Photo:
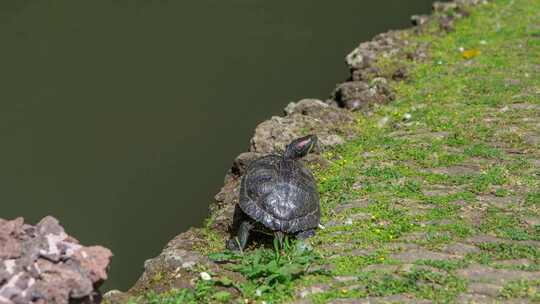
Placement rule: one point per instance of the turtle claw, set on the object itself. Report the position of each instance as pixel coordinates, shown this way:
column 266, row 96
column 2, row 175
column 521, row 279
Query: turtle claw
column 239, row 242
column 232, row 245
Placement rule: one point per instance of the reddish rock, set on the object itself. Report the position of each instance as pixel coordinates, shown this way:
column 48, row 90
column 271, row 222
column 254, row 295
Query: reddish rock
column 43, row 264
column 94, row 261
column 10, row 238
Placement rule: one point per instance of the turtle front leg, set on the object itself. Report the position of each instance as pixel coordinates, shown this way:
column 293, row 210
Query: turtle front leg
column 240, row 241
column 279, row 235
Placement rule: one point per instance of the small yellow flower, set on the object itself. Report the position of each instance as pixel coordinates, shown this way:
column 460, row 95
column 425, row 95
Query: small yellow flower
column 469, row 54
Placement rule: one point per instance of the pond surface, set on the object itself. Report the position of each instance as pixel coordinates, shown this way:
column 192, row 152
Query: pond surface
column 121, row 117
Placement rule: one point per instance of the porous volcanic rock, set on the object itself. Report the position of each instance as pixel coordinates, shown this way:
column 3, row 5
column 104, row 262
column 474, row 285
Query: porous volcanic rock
column 42, row 264
column 178, row 266
column 309, row 116
column 356, row 95
column 362, row 60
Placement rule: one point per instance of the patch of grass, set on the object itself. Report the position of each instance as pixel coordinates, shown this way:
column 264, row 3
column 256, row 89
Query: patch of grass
column 201, row 294
column 511, row 251
column 507, row 226
column 527, row 289
column 482, row 150
column 494, row 176
column 449, row 265
column 533, row 199
column 269, row 274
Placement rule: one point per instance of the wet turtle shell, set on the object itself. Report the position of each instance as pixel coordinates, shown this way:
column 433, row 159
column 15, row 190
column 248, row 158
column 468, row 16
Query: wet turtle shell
column 279, row 192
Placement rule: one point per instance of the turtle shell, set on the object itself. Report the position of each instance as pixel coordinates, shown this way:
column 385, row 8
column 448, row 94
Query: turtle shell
column 281, row 194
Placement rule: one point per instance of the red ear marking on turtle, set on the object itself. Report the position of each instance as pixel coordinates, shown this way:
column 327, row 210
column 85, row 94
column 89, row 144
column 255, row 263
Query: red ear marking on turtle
column 303, row 143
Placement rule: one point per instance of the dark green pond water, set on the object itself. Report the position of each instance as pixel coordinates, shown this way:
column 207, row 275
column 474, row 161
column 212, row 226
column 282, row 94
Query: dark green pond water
column 121, row 118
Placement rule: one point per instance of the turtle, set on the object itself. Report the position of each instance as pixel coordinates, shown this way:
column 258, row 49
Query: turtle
column 278, row 194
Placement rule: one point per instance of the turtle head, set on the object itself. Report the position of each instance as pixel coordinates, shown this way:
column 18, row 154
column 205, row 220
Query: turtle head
column 300, row 147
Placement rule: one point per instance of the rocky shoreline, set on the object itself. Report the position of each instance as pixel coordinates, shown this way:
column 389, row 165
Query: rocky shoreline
column 332, row 120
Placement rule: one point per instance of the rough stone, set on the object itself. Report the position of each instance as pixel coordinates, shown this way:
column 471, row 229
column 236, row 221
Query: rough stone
column 399, row 298
column 94, row 260
column 460, row 249
column 446, row 23
column 532, row 139
column 314, row 289
column 457, row 170
column 302, row 301
column 228, row 194
column 307, row 107
column 385, row 44
column 485, row 274
column 441, row 190
column 523, row 106
column 402, row 246
column 116, row 296
column 419, row 20
column 414, row 236
column 413, row 255
column 344, row 279
column 361, row 203
column 356, row 95
column 486, row 238
column 429, row 135
column 532, row 220
column 179, row 261
column 361, row 252
column 332, row 246
column 400, row 74
column 11, row 235
column 439, row 222
column 43, row 264
column 316, row 160
column 357, row 217
column 468, row 298
column 383, row 268
column 516, row 263
column 473, row 213
column 496, row 201
column 491, row 290
column 414, row 207
column 444, row 7
column 324, row 268
column 329, row 123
